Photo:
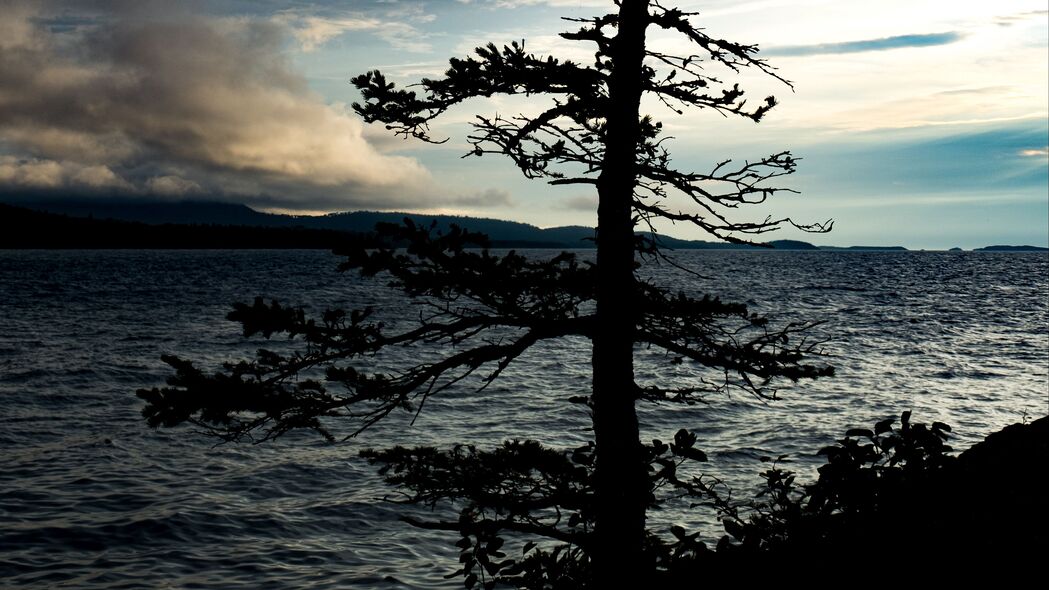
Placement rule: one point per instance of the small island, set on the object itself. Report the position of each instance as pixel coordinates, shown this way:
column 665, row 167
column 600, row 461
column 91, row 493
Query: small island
column 1011, row 249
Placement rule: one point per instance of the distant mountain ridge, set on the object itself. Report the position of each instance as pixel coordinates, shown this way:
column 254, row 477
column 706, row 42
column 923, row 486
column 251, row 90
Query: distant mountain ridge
column 502, row 233
column 22, row 228
column 158, row 212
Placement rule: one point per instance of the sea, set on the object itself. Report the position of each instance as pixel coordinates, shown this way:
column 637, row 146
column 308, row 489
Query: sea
column 91, row 497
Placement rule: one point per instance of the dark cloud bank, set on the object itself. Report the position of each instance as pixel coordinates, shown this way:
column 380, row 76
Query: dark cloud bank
column 138, row 100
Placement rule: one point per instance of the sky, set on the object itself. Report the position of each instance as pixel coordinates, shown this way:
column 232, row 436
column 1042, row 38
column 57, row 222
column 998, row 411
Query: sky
column 918, row 123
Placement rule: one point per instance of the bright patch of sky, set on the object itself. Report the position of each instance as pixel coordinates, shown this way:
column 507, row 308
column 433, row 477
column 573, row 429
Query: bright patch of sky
column 918, row 122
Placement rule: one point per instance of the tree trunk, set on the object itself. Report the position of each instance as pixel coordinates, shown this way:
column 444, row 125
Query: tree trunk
column 620, row 484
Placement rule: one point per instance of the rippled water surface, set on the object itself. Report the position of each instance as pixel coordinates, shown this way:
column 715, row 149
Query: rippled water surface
column 92, row 498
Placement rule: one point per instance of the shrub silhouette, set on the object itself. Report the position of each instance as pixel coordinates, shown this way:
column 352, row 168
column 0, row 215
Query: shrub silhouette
column 896, row 494
column 868, row 474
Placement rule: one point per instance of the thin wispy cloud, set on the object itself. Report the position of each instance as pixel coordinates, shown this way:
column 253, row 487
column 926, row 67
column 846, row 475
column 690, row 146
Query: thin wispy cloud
column 492, row 197
column 983, row 90
column 579, row 203
column 1012, row 19
column 397, row 26
column 527, row 3
column 883, row 44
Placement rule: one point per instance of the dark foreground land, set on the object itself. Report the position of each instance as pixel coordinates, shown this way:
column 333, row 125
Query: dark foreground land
column 932, row 517
column 991, row 503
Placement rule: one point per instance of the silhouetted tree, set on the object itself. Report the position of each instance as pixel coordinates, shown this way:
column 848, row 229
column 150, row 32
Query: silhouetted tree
column 589, row 504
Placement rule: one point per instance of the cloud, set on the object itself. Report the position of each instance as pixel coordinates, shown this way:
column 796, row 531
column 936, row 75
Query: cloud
column 527, row 3
column 32, row 173
column 172, row 186
column 312, row 31
column 961, row 160
column 1012, row 19
column 579, row 203
column 163, row 103
column 393, row 26
column 885, row 43
column 983, row 90
column 492, row 197
column 44, row 174
column 412, row 71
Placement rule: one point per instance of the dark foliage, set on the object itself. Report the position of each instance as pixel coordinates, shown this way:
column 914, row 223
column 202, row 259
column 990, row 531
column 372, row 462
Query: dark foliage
column 896, row 493
column 868, row 474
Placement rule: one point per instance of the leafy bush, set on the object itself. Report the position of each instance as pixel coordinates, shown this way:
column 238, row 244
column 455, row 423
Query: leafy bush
column 869, row 475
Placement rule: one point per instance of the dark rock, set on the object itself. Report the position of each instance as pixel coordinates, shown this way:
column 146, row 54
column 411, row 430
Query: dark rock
column 991, row 503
